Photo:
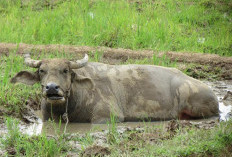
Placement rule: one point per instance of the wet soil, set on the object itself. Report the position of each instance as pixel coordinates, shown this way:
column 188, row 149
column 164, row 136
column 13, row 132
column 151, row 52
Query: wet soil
column 215, row 62
column 95, row 150
column 133, row 138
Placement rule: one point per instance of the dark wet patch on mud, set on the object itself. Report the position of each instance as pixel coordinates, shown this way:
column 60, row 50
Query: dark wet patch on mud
column 27, row 113
column 3, row 111
column 95, row 151
column 228, row 96
column 34, row 103
column 206, row 72
column 174, row 125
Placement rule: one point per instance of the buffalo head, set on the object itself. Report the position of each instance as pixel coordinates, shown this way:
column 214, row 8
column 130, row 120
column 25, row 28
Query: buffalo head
column 55, row 75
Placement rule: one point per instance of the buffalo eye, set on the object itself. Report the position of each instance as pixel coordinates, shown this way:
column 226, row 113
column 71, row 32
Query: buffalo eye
column 41, row 71
column 65, row 71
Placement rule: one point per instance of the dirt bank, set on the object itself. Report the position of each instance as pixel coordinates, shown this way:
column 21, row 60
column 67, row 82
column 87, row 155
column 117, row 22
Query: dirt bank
column 120, row 53
column 214, row 61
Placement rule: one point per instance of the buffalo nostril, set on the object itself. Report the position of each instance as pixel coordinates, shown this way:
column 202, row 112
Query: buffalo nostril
column 52, row 87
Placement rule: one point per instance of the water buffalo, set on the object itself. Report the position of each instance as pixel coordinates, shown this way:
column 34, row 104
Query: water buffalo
column 90, row 92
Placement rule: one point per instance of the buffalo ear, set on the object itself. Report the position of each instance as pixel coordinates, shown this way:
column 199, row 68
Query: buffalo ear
column 26, row 77
column 83, row 82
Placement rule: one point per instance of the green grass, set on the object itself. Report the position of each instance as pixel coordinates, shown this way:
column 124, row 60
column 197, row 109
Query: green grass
column 14, row 97
column 155, row 60
column 161, row 25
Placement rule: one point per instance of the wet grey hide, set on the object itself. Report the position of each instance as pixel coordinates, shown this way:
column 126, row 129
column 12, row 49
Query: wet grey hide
column 94, row 91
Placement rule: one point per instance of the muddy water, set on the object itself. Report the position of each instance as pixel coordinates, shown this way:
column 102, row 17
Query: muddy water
column 54, row 128
column 220, row 88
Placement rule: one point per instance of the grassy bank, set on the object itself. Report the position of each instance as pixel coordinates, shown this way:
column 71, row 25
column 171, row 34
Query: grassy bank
column 162, row 25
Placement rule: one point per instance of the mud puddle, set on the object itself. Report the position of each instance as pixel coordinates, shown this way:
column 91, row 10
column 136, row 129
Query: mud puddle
column 222, row 89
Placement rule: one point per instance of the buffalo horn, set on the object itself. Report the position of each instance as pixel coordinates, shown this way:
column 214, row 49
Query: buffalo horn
column 30, row 62
column 79, row 63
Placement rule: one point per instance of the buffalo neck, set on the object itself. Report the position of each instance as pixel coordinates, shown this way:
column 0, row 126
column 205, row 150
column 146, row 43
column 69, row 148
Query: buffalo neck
column 79, row 105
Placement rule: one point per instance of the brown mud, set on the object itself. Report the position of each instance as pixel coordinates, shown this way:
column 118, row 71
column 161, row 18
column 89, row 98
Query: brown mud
column 214, row 62
column 95, row 151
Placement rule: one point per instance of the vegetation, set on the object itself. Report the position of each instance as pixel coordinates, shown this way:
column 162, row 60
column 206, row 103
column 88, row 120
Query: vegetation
column 161, row 25
column 13, row 98
column 185, row 142
column 154, row 140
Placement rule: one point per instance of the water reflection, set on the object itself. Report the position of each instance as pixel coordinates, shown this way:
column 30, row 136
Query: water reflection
column 32, row 129
column 225, row 111
column 55, row 128
column 225, row 106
